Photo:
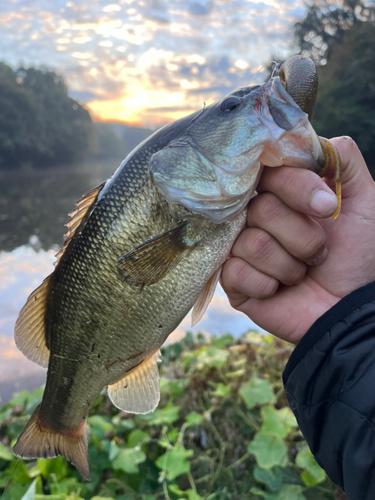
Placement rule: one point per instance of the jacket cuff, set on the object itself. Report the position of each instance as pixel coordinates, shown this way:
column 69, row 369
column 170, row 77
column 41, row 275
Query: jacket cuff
column 325, row 323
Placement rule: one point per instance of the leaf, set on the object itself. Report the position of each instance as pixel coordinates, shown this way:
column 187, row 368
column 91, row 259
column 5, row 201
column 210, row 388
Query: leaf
column 276, row 422
column 193, row 419
column 222, row 390
column 102, row 498
column 192, row 495
column 212, row 357
column 313, row 474
column 167, row 415
column 268, row 450
column 137, row 437
column 291, row 492
column 270, row 478
column 128, row 460
column 257, row 391
column 287, row 492
column 174, row 462
column 5, row 453
column 172, row 436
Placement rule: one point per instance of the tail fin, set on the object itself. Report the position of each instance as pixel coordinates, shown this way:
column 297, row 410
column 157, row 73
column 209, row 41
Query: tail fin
column 39, row 442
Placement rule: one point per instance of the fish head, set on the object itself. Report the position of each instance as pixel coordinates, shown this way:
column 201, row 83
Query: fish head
column 213, row 167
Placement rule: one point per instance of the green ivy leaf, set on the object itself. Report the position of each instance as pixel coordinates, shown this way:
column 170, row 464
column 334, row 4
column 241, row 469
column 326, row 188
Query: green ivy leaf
column 128, row 460
column 5, row 453
column 270, row 478
column 193, row 419
column 102, row 498
column 174, row 462
column 268, row 450
column 172, row 435
column 287, row 492
column 257, row 391
column 212, row 357
column 275, row 422
column 167, row 415
column 291, row 492
column 313, row 474
column 192, row 495
column 137, row 437
column 222, row 390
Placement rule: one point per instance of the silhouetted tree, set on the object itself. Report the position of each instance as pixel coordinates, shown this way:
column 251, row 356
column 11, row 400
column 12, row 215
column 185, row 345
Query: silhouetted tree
column 340, row 37
column 39, row 122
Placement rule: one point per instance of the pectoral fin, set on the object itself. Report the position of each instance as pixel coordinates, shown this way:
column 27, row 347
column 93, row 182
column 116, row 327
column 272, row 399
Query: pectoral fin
column 138, row 391
column 149, row 262
column 205, row 297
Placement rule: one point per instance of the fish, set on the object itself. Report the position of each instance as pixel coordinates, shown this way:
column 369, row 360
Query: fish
column 141, row 250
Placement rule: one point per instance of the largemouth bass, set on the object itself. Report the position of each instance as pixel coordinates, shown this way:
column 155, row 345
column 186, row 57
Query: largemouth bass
column 141, row 250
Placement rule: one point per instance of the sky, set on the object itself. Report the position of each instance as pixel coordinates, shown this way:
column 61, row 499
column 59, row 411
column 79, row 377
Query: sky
column 148, row 62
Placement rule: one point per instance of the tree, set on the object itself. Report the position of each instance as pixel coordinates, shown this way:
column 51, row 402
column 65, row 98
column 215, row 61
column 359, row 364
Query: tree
column 39, row 122
column 341, row 40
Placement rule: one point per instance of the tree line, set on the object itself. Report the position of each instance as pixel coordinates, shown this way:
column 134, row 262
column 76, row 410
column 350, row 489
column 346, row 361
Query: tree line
column 41, row 125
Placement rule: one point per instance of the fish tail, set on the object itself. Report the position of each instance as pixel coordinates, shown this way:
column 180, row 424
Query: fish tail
column 37, row 441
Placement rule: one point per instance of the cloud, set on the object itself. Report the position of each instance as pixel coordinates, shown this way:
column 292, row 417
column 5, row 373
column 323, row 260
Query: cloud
column 129, row 51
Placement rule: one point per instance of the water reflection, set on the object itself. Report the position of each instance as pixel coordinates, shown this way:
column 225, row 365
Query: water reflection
column 33, row 207
column 37, row 201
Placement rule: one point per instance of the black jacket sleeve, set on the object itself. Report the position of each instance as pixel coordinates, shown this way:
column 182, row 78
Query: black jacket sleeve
column 330, row 384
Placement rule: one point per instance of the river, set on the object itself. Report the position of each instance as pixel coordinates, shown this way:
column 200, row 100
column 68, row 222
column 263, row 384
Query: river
column 34, row 204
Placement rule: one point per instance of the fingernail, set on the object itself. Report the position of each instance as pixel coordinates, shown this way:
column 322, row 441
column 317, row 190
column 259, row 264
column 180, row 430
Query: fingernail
column 323, row 203
column 320, row 258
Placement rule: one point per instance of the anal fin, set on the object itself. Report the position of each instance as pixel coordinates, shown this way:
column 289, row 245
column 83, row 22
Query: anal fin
column 205, row 297
column 149, row 262
column 37, row 441
column 29, row 332
column 138, row 391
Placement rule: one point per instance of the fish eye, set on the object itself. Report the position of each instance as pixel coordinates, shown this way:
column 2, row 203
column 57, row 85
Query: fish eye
column 230, row 104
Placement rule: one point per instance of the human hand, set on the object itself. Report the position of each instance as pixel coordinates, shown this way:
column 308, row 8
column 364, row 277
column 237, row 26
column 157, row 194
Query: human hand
column 292, row 262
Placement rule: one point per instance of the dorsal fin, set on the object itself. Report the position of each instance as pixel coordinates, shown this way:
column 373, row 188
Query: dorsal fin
column 84, row 206
column 29, row 332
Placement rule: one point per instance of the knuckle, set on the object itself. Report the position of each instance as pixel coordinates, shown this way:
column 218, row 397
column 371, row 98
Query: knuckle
column 234, row 271
column 313, row 247
column 295, row 275
column 260, row 242
column 347, row 145
column 265, row 207
column 252, row 242
column 266, row 288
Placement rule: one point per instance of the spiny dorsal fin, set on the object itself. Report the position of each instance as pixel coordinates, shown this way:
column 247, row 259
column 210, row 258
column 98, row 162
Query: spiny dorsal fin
column 29, row 332
column 37, row 441
column 138, row 391
column 149, row 262
column 84, row 206
column 205, row 297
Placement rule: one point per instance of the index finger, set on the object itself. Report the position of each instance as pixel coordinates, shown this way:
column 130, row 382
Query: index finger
column 300, row 189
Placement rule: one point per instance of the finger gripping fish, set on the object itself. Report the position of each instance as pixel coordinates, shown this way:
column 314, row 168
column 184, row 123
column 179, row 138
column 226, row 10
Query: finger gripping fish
column 141, row 250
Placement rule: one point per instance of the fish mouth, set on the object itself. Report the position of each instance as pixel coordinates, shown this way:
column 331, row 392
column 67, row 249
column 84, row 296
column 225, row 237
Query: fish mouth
column 294, row 141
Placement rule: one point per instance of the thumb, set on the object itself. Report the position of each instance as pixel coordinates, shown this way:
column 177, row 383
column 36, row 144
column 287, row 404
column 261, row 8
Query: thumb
column 356, row 177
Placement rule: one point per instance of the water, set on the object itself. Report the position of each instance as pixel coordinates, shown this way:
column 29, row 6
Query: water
column 34, row 205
